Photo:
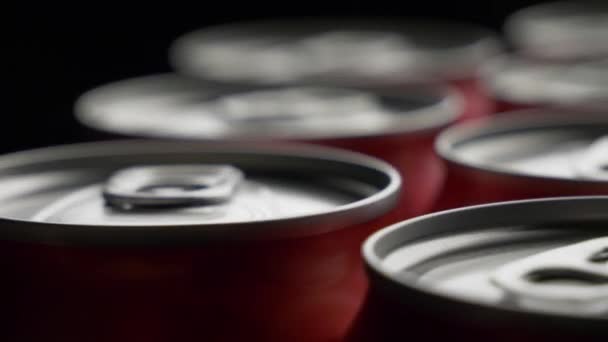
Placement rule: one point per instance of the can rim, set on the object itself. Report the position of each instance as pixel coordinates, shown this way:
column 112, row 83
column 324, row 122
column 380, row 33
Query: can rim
column 492, row 75
column 443, row 112
column 299, row 226
column 527, row 118
column 590, row 207
column 519, row 24
column 453, row 64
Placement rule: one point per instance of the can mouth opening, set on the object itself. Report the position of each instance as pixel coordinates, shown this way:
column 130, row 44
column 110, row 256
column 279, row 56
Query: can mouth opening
column 566, row 276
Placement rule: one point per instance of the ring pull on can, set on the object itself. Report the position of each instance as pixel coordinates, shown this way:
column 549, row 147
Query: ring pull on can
column 567, row 279
column 594, row 163
column 171, row 186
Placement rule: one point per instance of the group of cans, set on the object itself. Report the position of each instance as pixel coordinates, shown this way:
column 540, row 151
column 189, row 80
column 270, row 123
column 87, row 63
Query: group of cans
column 327, row 179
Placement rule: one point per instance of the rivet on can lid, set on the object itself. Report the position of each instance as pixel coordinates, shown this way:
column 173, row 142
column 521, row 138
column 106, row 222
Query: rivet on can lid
column 567, row 279
column 171, row 186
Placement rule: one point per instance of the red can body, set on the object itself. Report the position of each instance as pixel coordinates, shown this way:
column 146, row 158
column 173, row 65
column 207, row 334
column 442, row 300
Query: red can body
column 410, row 153
column 104, row 284
column 413, row 153
column 306, row 289
column 476, row 100
column 468, row 186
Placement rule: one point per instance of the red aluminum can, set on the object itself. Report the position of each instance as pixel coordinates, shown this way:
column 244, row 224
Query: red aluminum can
column 516, row 82
column 526, row 154
column 172, row 241
column 565, row 30
column 525, row 271
column 361, row 52
column 396, row 126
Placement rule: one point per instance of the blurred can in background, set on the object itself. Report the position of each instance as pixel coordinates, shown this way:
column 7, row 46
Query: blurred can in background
column 359, row 52
column 525, row 154
column 516, row 82
column 169, row 241
column 398, row 126
column 567, row 30
column 524, row 271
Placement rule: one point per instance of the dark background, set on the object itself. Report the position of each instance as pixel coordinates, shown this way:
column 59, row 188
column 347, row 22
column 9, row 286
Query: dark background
column 59, row 53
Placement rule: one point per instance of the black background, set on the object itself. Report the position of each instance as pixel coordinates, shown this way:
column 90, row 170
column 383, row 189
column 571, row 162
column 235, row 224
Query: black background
column 61, row 52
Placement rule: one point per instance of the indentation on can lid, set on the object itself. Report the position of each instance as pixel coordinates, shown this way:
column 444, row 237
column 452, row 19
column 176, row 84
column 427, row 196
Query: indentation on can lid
column 564, row 279
column 565, row 275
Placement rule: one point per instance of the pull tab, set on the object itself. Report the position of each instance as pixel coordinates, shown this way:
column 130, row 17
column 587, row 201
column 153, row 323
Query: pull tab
column 571, row 279
column 171, row 186
column 594, row 163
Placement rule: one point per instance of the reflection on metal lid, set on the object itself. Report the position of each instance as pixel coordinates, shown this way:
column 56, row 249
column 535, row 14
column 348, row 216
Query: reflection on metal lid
column 196, row 111
column 334, row 51
column 561, row 30
column 537, row 143
column 527, row 81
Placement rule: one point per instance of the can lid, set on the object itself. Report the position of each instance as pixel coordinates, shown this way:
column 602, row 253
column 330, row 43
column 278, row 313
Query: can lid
column 158, row 192
column 527, row 81
column 169, row 106
column 549, row 144
column 573, row 278
column 544, row 257
column 338, row 51
column 561, row 30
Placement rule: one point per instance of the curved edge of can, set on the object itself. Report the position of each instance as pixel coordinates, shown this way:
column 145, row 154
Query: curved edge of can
column 382, row 242
column 517, row 25
column 354, row 213
column 449, row 138
column 85, row 103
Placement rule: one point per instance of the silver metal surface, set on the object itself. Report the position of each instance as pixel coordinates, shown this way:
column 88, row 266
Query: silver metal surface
column 56, row 195
column 594, row 163
column 171, row 186
column 485, row 256
column 334, row 51
column 571, row 279
column 163, row 106
column 525, row 81
column 533, row 143
column 561, row 30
